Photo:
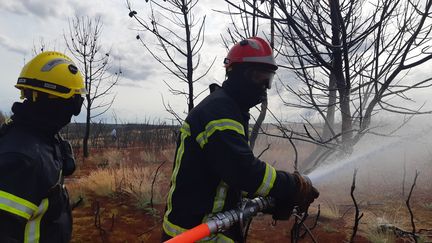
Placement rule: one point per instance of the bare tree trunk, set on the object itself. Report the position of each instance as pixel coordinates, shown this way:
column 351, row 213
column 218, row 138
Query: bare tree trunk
column 331, row 107
column 327, row 129
column 337, row 70
column 264, row 104
column 189, row 58
column 336, row 83
column 87, row 130
column 83, row 42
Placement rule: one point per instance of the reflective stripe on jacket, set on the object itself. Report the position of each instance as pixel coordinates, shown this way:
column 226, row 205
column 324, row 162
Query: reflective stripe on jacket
column 34, row 206
column 214, row 166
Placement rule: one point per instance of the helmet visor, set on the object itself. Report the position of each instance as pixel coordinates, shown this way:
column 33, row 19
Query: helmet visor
column 263, row 77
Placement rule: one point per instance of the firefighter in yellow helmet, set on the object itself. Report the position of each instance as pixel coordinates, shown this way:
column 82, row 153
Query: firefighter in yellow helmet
column 34, row 158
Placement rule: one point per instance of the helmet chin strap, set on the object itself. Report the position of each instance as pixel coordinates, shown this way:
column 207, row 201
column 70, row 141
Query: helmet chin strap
column 30, row 95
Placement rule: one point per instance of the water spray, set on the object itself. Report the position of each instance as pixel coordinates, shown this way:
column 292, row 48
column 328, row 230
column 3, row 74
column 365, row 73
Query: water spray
column 319, row 173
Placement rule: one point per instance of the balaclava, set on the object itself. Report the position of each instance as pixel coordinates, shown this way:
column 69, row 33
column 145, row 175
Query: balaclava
column 241, row 87
column 46, row 115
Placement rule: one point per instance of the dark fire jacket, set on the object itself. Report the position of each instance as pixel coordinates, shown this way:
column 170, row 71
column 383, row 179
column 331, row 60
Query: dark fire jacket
column 214, row 167
column 34, row 205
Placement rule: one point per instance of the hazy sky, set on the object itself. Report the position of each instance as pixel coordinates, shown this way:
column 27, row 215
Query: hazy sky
column 25, row 23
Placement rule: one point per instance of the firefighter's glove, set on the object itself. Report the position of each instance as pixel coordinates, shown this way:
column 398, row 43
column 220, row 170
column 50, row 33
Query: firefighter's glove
column 305, row 194
column 282, row 211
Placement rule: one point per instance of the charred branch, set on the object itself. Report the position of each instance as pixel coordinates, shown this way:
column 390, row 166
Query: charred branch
column 413, row 232
column 357, row 216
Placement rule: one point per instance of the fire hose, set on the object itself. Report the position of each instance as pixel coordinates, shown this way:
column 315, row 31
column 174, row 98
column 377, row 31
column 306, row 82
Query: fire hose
column 224, row 220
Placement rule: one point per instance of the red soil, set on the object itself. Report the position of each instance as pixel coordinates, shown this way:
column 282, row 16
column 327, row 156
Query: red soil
column 116, row 219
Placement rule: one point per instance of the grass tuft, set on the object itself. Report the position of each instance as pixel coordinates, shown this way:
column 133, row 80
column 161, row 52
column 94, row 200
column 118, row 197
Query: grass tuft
column 102, row 182
column 427, row 206
column 134, row 181
column 76, row 192
column 376, row 235
column 149, row 156
column 329, row 229
column 108, row 159
column 330, row 210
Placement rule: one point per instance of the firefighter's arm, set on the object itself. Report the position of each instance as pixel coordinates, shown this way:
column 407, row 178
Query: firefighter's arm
column 18, row 195
column 231, row 157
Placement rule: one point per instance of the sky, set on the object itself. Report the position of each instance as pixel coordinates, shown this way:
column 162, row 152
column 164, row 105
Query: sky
column 26, row 23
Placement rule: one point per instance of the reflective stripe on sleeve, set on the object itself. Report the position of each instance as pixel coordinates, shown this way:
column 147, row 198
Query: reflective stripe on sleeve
column 16, row 205
column 219, row 125
column 267, row 182
column 32, row 229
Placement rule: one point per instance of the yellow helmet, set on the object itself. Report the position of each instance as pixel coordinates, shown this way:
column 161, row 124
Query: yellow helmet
column 52, row 73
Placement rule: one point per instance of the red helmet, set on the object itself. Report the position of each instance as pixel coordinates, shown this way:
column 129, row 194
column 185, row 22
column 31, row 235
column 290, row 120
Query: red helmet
column 251, row 50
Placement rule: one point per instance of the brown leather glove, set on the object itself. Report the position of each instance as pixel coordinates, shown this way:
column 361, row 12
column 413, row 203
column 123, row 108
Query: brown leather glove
column 306, row 193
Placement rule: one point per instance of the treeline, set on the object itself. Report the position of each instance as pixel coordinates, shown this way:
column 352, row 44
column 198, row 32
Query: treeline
column 151, row 135
column 157, row 136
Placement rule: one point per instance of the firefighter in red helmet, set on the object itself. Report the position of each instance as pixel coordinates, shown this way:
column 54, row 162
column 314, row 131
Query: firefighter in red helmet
column 250, row 67
column 214, row 166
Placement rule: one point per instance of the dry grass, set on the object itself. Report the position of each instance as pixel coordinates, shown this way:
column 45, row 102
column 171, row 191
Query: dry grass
column 134, row 181
column 109, row 158
column 169, row 154
column 329, row 229
column 137, row 181
column 117, row 174
column 427, row 206
column 76, row 192
column 330, row 210
column 102, row 182
column 149, row 156
column 376, row 235
column 376, row 223
column 379, row 229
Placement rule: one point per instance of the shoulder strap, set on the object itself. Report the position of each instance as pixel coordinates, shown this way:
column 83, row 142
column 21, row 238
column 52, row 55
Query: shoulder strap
column 64, row 150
